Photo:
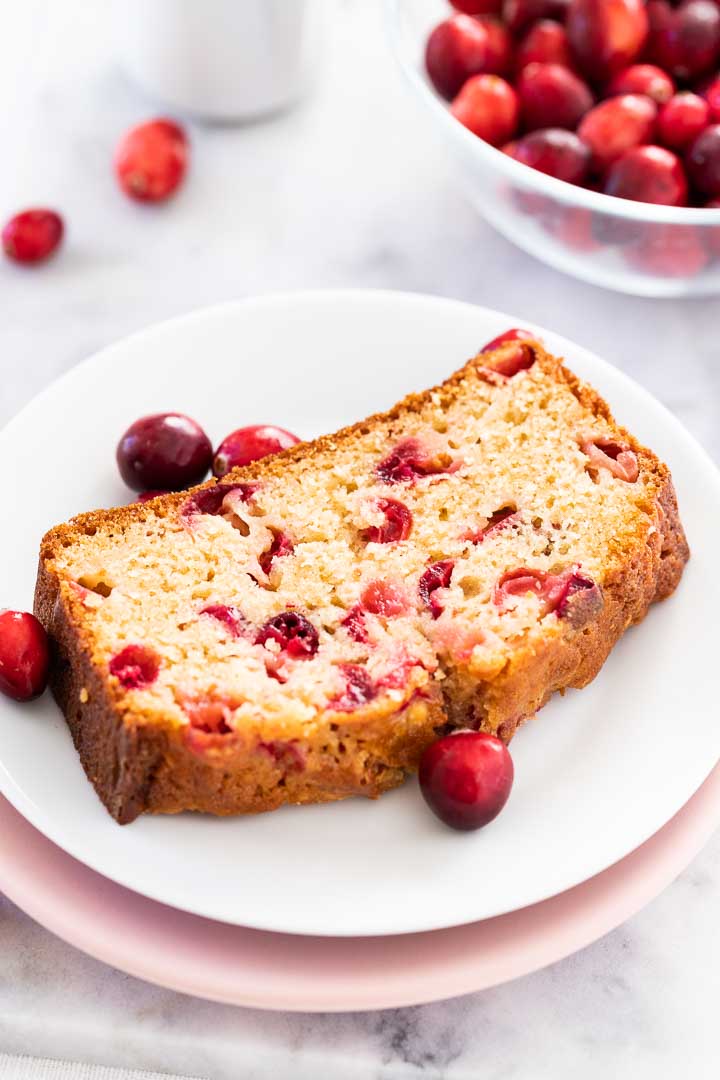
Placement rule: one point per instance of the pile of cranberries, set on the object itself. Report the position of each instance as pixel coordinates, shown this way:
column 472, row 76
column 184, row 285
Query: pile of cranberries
column 150, row 163
column 620, row 96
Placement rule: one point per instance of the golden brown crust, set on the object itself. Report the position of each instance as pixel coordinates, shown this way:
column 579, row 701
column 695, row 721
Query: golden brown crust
column 138, row 766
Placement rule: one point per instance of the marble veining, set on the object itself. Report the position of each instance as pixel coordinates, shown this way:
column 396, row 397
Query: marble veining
column 344, row 191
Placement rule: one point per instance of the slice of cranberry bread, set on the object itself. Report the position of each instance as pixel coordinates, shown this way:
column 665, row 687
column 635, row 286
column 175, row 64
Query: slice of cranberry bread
column 300, row 631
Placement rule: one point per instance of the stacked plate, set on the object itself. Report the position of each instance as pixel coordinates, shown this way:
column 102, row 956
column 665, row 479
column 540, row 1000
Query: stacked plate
column 355, row 905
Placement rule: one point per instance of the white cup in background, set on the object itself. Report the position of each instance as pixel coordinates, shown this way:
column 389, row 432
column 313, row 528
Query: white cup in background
column 219, row 60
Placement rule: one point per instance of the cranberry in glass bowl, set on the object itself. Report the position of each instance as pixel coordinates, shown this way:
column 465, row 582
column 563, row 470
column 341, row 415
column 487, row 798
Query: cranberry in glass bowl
column 577, row 227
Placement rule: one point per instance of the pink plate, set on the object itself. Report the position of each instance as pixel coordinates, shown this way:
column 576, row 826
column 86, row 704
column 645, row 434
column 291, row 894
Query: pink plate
column 282, row 971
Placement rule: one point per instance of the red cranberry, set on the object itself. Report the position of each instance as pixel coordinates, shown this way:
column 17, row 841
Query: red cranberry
column 620, row 461
column 32, row 235
column 146, row 496
column 606, row 35
column 24, row 655
column 578, row 599
column 477, row 7
column 410, row 460
column 648, row 174
column 151, row 160
column 210, row 500
column 545, row 43
column 519, row 14
column 711, row 235
column 668, row 251
column 250, row 444
column 385, row 599
column 682, row 119
column 165, row 450
column 359, row 689
column 555, row 152
column 487, row 106
column 551, row 96
column 687, row 41
column 711, row 93
column 573, row 227
column 230, row 617
column 703, row 161
column 295, row 635
column 354, row 623
column 645, row 79
column 207, row 718
column 135, row 667
column 435, row 577
column 456, row 49
column 281, row 545
column 466, row 778
column 616, row 125
column 516, row 334
column 511, row 362
column 397, row 524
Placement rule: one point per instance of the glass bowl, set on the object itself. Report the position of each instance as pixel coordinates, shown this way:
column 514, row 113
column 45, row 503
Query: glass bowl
column 633, row 247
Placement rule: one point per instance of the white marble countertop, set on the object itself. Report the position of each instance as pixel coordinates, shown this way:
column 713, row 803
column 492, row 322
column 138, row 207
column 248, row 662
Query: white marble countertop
column 345, row 191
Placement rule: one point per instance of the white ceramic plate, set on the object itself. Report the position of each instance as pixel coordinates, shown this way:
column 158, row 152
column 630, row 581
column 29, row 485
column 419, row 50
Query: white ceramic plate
column 597, row 774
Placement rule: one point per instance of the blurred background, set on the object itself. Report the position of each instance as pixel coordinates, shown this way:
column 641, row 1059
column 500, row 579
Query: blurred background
column 346, row 189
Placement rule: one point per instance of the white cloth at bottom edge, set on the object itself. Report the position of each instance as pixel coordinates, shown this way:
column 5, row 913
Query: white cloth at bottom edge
column 29, row 1068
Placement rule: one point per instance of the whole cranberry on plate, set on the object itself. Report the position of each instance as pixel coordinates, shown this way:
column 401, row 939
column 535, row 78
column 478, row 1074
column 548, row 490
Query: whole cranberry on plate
column 151, row 160
column 606, row 35
column 32, row 235
column 551, row 95
column 166, row 451
column 24, row 655
column 250, row 444
column 457, row 48
column 466, row 778
column 488, row 106
column 649, row 174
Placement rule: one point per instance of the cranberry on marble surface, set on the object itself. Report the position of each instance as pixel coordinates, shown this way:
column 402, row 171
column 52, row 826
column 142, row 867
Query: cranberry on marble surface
column 24, row 655
column 488, row 106
column 397, row 524
column 606, row 35
column 135, row 667
column 551, row 96
column 466, row 778
column 555, row 152
column 435, row 577
column 151, row 160
column 164, row 450
column 250, row 444
column 32, row 235
column 295, row 635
